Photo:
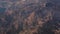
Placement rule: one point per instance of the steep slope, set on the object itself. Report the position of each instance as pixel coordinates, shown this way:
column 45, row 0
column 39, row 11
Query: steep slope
column 29, row 17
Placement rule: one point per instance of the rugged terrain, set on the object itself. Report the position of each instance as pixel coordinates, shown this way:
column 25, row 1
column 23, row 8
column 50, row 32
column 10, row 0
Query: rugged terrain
column 29, row 16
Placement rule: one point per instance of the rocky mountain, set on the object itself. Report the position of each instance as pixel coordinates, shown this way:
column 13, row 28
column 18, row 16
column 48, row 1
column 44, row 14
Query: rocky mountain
column 29, row 16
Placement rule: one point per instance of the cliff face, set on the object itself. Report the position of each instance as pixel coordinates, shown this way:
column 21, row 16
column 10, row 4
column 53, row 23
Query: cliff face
column 29, row 17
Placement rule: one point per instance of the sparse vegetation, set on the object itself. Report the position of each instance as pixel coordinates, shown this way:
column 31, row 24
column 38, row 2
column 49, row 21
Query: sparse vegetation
column 35, row 17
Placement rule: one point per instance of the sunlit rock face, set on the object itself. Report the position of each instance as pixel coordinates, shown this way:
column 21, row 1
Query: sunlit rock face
column 29, row 16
